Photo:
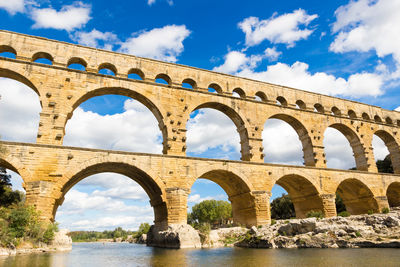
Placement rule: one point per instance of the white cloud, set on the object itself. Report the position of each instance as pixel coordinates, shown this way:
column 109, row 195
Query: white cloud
column 136, row 130
column 151, row 2
column 69, row 17
column 164, row 43
column 380, row 149
column 211, row 129
column 95, row 38
column 110, row 222
column 233, row 62
column 13, row 6
column 283, row 29
column 20, row 108
column 366, row 25
column 272, row 54
column 196, row 198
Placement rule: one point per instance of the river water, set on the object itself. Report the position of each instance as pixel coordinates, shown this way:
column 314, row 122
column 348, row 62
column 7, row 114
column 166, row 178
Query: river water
column 125, row 254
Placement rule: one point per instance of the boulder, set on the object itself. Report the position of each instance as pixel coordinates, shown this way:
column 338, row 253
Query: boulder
column 175, row 236
column 62, row 241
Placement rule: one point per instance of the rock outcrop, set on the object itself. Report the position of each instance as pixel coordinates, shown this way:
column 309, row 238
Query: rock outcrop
column 176, row 236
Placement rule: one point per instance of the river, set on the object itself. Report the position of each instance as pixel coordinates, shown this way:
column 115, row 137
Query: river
column 125, row 254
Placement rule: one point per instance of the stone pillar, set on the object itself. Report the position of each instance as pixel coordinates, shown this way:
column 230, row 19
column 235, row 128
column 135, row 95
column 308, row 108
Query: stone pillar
column 51, row 125
column 255, row 150
column 262, row 207
column 382, row 202
column 319, row 157
column 40, row 195
column 175, row 128
column 329, row 205
column 369, row 154
column 176, row 205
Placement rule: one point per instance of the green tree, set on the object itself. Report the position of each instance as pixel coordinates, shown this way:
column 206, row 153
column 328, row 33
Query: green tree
column 282, row 208
column 339, row 204
column 7, row 195
column 385, row 165
column 216, row 212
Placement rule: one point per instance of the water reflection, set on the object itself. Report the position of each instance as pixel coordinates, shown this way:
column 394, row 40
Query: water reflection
column 122, row 254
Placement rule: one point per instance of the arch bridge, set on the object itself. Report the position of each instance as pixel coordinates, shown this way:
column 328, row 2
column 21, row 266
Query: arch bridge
column 50, row 169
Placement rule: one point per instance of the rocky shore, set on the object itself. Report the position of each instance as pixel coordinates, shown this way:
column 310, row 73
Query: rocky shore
column 61, row 242
column 361, row 231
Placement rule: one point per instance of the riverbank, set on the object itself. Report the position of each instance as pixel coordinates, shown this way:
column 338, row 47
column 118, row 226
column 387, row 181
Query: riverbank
column 61, row 242
column 361, row 231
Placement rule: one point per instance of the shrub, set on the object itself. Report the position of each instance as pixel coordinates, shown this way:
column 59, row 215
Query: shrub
column 370, row 212
column 385, row 210
column 317, row 214
column 344, row 214
column 273, row 221
column 358, row 234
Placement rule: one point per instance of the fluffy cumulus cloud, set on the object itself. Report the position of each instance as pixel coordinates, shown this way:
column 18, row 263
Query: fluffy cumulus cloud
column 366, row 25
column 13, row 6
column 95, row 38
column 164, row 43
column 136, row 129
column 68, row 18
column 284, row 29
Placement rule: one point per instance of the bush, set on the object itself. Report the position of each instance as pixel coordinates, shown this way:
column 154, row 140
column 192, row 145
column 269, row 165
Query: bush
column 385, row 210
column 344, row 214
column 358, row 234
column 273, row 221
column 317, row 214
column 370, row 212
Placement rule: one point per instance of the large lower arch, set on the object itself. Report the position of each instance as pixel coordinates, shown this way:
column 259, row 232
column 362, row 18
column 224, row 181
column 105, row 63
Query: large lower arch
column 393, row 148
column 239, row 123
column 239, row 194
column 152, row 188
column 357, row 197
column 393, row 194
column 128, row 93
column 356, row 145
column 308, row 151
column 303, row 193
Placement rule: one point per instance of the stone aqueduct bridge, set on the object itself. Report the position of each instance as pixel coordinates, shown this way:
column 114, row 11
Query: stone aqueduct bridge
column 50, row 169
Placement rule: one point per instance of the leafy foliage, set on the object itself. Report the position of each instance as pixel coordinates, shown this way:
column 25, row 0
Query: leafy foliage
column 93, row 236
column 344, row 214
column 340, row 207
column 7, row 195
column 385, row 165
column 144, row 228
column 317, row 214
column 213, row 212
column 282, row 208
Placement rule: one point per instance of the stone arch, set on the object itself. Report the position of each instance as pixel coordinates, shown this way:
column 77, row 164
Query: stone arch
column 239, row 194
column 377, row 119
column 356, row 196
column 356, row 145
column 191, row 82
column 303, row 193
column 281, row 101
column 303, row 136
column 108, row 66
column 216, row 87
column 352, row 114
column 365, row 116
column 263, row 97
column 164, row 77
column 6, row 73
column 153, row 188
column 237, row 120
column 336, row 111
column 240, row 92
column 301, row 105
column 44, row 55
column 128, row 93
column 138, row 72
column 393, row 194
column 77, row 60
column 319, row 108
column 393, row 148
column 388, row 120
column 7, row 48
column 15, row 165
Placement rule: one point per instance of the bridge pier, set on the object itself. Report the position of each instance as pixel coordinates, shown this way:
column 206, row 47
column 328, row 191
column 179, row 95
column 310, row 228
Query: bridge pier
column 328, row 202
column 39, row 194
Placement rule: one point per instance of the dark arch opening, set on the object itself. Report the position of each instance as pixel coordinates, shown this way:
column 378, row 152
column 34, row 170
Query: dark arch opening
column 351, row 114
column 77, row 63
column 303, row 193
column 357, row 197
column 7, row 51
column 393, row 147
column 261, row 96
column 107, row 69
column 355, row 143
column 136, row 74
column 388, row 120
column 163, row 79
column 365, row 116
column 43, row 58
column 336, row 111
column 301, row 105
column 131, row 94
column 189, row 84
column 302, row 134
column 150, row 186
column 237, row 120
column 377, row 119
column 215, row 88
column 280, row 100
column 238, row 92
column 239, row 194
column 393, row 194
column 319, row 108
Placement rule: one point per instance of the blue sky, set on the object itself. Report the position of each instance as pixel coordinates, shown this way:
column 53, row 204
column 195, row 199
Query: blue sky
column 349, row 49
